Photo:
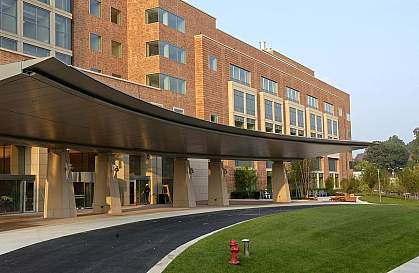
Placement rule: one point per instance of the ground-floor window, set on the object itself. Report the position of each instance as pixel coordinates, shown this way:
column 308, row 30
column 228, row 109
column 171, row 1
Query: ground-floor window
column 16, row 195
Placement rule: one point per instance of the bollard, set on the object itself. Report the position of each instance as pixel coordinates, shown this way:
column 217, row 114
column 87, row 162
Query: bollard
column 234, row 251
column 246, row 247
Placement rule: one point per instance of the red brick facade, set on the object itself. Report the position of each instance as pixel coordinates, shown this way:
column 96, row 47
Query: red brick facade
column 207, row 91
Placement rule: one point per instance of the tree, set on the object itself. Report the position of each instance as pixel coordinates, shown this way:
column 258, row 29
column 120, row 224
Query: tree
column 299, row 175
column 390, row 154
column 245, row 180
column 413, row 147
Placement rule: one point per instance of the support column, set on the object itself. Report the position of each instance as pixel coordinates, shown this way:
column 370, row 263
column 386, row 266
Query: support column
column 217, row 187
column 59, row 191
column 183, row 195
column 106, row 194
column 280, row 187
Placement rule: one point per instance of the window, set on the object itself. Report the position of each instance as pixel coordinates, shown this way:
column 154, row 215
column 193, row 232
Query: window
column 300, row 118
column 95, row 43
column 97, row 70
column 238, row 122
column 238, row 101
column 63, row 5
column 269, row 86
column 63, row 57
column 293, row 95
column 212, row 63
column 8, row 15
column 5, row 152
column 316, row 164
column 278, row 129
column 319, row 124
column 36, row 23
column 268, row 110
column 214, row 119
column 166, row 18
column 269, row 127
column 332, row 128
column 62, row 31
column 278, row 112
column 312, row 102
column 44, row 1
column 178, row 110
column 35, row 51
column 250, row 104
column 95, row 7
column 239, row 75
column 243, row 164
column 115, row 16
column 335, row 128
column 293, row 116
column 8, row 43
column 333, row 165
column 166, row 82
column 116, row 49
column 328, row 108
column 166, row 50
column 251, row 124
column 348, row 117
column 313, row 122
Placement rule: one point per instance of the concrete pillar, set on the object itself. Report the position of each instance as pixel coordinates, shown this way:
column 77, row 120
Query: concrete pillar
column 101, row 189
column 280, row 187
column 183, row 195
column 217, row 187
column 59, row 192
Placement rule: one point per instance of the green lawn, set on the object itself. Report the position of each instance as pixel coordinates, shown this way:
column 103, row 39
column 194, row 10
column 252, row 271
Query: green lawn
column 390, row 200
column 353, row 239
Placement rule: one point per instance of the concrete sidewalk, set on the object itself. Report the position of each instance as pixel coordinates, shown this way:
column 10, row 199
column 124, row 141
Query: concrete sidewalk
column 409, row 267
column 52, row 229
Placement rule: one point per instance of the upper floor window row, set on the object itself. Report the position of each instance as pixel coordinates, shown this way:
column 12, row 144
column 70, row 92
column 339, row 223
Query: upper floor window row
column 8, row 15
column 59, row 4
column 36, row 23
column 293, row 95
column 95, row 7
column 328, row 108
column 166, row 82
column 312, row 102
column 239, row 75
column 269, row 86
column 244, row 100
column 159, row 15
column 166, row 50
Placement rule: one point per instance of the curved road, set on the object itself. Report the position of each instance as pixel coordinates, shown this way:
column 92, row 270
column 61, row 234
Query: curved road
column 128, row 248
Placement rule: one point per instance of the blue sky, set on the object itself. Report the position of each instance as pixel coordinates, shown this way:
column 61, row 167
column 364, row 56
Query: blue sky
column 370, row 49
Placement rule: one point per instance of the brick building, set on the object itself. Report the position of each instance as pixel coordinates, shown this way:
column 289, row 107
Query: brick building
column 171, row 54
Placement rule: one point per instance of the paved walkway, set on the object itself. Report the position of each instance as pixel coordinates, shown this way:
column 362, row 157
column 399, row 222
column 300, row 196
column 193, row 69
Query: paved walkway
column 409, row 267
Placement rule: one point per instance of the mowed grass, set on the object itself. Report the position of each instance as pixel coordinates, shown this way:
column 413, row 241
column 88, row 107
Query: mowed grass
column 390, row 200
column 355, row 239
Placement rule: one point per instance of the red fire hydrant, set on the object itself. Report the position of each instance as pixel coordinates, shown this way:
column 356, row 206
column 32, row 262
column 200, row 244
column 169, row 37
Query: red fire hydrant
column 234, row 251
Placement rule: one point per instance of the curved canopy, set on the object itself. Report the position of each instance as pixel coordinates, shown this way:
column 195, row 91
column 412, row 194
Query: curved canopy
column 46, row 103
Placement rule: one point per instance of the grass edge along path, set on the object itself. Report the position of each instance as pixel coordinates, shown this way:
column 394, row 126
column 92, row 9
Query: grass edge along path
column 351, row 239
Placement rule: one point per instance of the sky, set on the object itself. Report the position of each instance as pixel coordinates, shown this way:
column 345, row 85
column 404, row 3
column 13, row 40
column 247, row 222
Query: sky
column 367, row 48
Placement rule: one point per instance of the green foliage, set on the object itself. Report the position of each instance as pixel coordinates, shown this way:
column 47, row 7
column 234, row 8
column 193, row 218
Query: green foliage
column 245, row 179
column 352, row 185
column 408, row 179
column 388, row 154
column 299, row 177
column 330, row 185
column 370, row 175
column 413, row 147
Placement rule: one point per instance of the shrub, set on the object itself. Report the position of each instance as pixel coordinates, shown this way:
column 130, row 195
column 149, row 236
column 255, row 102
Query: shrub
column 245, row 180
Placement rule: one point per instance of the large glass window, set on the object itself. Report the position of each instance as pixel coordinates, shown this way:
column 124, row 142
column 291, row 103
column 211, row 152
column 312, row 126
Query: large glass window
column 293, row 95
column 300, row 119
column 293, row 116
column 95, row 43
column 63, row 57
column 63, row 5
column 238, row 101
column 166, row 50
column 166, row 82
column 333, row 165
column 240, row 75
column 335, row 128
column 269, row 86
column 62, row 31
column 95, row 7
column 8, row 15
column 278, row 112
column 8, row 43
column 319, row 124
column 313, row 122
column 328, row 108
column 166, row 18
column 268, row 110
column 250, row 104
column 312, row 102
column 35, row 50
column 251, row 124
column 36, row 23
